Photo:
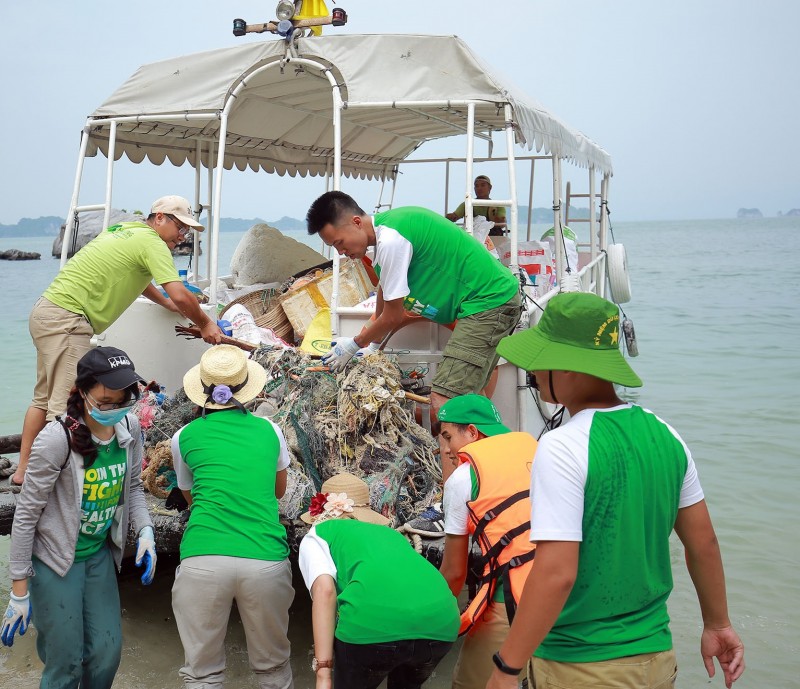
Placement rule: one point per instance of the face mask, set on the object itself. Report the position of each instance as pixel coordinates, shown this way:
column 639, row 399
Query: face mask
column 108, row 418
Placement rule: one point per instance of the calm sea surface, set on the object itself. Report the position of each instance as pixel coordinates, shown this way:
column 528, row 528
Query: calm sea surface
column 715, row 304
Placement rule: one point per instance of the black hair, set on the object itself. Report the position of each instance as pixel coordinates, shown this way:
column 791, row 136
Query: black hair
column 329, row 209
column 80, row 435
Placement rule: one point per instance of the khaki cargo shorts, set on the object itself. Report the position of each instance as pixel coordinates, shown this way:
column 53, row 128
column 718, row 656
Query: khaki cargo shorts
column 471, row 353
column 61, row 339
column 645, row 671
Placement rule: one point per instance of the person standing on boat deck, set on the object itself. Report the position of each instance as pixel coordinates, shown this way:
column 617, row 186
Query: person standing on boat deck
column 607, row 489
column 92, row 290
column 231, row 467
column 495, row 214
column 379, row 609
column 428, row 267
column 487, row 497
column 83, row 488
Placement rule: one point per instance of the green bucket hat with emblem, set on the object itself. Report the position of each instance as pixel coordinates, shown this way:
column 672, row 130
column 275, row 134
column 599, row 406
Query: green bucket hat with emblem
column 476, row 410
column 577, row 332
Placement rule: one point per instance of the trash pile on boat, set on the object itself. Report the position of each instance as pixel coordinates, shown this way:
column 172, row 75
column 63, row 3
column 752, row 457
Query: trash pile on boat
column 360, row 420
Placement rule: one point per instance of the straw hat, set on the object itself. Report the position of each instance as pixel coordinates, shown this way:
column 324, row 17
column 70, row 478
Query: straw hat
column 346, row 488
column 224, row 378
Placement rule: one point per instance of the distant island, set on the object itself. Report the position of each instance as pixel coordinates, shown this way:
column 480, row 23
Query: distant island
column 50, row 226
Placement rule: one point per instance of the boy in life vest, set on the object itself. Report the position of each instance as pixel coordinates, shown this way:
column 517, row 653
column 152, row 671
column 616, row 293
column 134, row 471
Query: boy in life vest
column 487, row 497
column 607, row 490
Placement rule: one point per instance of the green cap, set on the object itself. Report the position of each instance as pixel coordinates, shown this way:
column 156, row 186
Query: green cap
column 476, row 410
column 577, row 332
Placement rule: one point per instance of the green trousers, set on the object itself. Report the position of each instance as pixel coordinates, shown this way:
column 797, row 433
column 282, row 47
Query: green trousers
column 77, row 621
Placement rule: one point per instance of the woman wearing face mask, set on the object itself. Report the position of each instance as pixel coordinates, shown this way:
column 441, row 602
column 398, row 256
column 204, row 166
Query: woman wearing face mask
column 82, row 489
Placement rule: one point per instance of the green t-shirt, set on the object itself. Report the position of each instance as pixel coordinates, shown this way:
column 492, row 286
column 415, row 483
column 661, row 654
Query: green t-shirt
column 103, row 483
column 105, row 277
column 451, row 275
column 233, row 458
column 386, row 590
column 493, row 213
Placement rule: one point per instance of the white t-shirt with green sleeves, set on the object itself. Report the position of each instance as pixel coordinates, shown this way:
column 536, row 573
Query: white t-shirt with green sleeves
column 105, row 277
column 612, row 479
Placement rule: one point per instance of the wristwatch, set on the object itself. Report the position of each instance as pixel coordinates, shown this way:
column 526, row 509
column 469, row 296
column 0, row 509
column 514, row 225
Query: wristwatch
column 317, row 664
column 505, row 669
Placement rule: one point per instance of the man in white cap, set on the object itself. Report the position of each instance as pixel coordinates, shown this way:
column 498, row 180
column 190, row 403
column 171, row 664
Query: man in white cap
column 91, row 292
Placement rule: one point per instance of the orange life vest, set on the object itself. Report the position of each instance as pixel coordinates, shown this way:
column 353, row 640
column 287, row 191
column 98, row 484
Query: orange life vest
column 499, row 521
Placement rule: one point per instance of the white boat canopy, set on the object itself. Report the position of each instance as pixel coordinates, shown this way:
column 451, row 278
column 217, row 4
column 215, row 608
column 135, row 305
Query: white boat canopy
column 281, row 118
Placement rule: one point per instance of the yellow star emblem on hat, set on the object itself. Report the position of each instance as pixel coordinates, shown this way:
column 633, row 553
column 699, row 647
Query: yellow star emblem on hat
column 614, row 336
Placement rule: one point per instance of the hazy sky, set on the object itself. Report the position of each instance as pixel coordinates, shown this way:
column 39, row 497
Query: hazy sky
column 697, row 101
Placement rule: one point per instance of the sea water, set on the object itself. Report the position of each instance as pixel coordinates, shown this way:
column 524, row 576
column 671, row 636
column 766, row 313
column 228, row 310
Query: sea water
column 715, row 305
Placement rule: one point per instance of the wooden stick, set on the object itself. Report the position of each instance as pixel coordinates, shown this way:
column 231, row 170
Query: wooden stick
column 417, row 398
column 194, row 331
column 318, row 369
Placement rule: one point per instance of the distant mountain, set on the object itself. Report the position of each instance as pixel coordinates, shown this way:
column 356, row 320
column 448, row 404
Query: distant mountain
column 50, row 226
column 47, row 226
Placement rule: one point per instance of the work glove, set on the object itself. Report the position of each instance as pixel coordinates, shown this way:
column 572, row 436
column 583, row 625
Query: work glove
column 17, row 618
column 146, row 554
column 342, row 350
column 371, row 348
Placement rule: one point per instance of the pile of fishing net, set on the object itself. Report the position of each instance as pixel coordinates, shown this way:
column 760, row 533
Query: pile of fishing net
column 357, row 421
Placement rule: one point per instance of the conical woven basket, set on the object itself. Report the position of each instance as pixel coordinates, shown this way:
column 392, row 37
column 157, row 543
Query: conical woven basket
column 267, row 312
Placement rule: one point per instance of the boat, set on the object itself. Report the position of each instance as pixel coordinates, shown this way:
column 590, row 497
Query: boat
column 324, row 106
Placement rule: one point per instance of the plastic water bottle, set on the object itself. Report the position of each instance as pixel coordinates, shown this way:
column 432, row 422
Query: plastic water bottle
column 184, row 276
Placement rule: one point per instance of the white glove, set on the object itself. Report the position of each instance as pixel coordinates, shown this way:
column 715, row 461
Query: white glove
column 371, row 348
column 146, row 554
column 16, row 619
column 342, row 350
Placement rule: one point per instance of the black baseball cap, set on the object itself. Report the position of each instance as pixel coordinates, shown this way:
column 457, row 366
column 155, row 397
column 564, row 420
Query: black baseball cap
column 110, row 366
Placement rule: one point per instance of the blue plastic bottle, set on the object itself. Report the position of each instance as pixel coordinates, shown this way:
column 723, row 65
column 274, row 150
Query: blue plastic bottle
column 183, row 275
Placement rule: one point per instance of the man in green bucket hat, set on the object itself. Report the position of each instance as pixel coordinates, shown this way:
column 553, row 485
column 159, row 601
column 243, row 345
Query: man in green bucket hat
column 607, row 489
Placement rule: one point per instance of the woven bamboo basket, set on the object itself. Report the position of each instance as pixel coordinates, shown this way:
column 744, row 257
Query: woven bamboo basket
column 267, row 312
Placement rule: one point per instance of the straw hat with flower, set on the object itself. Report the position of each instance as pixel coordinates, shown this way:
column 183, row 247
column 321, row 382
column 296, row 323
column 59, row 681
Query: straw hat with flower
column 224, row 378
column 343, row 496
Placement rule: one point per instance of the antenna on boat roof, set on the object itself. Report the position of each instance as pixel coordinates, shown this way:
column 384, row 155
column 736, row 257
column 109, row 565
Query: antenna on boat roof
column 293, row 15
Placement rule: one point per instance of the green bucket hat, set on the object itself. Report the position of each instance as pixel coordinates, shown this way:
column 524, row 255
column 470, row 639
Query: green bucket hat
column 475, row 409
column 577, row 332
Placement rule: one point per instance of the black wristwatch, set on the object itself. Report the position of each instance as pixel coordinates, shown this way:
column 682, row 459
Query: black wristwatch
column 505, row 669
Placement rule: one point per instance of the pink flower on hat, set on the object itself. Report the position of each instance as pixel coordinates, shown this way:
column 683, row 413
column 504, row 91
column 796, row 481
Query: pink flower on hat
column 338, row 504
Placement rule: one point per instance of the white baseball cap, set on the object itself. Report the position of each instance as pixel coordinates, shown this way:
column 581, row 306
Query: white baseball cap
column 180, row 208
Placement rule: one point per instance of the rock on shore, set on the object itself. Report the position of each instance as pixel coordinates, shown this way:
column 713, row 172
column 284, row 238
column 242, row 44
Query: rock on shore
column 17, row 255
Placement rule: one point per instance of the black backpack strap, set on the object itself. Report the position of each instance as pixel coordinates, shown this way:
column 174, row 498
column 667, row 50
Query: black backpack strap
column 69, row 442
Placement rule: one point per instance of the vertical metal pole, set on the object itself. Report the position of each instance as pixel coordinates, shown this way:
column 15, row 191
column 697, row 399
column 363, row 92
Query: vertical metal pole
column 337, row 185
column 558, row 235
column 603, row 236
column 112, row 147
column 211, row 205
column 470, row 157
column 198, row 167
column 69, row 229
column 217, row 206
column 446, row 183
column 512, row 183
column 530, row 199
